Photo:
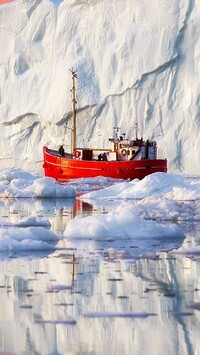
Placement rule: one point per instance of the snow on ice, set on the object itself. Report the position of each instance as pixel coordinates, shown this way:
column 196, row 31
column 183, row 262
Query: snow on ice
column 152, row 185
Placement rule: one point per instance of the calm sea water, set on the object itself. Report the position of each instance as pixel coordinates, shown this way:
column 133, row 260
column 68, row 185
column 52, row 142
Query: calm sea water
column 62, row 302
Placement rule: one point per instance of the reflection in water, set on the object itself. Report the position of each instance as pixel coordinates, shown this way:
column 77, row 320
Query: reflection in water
column 41, row 297
column 46, row 300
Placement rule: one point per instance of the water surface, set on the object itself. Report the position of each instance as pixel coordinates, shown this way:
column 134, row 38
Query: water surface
column 62, row 302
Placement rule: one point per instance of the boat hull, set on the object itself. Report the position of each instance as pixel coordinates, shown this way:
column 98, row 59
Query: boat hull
column 64, row 169
column 3, row 2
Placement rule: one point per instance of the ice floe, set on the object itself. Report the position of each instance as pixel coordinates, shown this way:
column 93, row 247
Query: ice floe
column 17, row 183
column 159, row 184
column 31, row 235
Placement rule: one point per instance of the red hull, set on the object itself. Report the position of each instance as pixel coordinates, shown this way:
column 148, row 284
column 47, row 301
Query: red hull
column 2, row 2
column 64, row 169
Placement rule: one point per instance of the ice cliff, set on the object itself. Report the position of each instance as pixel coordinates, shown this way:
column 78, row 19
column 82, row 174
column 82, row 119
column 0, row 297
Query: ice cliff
column 136, row 61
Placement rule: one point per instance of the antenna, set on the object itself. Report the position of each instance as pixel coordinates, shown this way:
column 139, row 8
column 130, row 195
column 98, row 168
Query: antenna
column 116, row 131
column 74, row 72
column 136, row 130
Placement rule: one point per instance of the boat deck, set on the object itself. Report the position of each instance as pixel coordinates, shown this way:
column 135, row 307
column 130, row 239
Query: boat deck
column 56, row 153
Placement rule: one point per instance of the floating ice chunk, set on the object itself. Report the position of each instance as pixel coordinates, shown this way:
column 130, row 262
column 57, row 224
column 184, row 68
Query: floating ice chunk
column 122, row 223
column 33, row 221
column 27, row 239
column 28, row 222
column 154, row 184
column 10, row 174
column 163, row 209
column 16, row 183
column 184, row 194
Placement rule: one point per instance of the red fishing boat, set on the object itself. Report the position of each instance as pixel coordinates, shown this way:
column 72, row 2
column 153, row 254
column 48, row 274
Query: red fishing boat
column 128, row 159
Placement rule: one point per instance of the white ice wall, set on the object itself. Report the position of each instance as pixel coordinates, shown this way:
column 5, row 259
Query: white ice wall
column 136, row 60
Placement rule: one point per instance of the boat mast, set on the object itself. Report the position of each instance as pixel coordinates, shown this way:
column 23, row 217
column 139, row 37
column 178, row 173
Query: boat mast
column 74, row 76
column 136, row 130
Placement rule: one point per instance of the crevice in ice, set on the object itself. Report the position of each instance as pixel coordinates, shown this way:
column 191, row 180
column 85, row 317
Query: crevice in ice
column 21, row 65
column 19, row 119
column 178, row 147
column 33, row 7
column 40, row 30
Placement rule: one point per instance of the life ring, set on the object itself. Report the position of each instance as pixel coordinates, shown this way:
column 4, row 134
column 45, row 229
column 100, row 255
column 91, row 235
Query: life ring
column 77, row 154
column 124, row 152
